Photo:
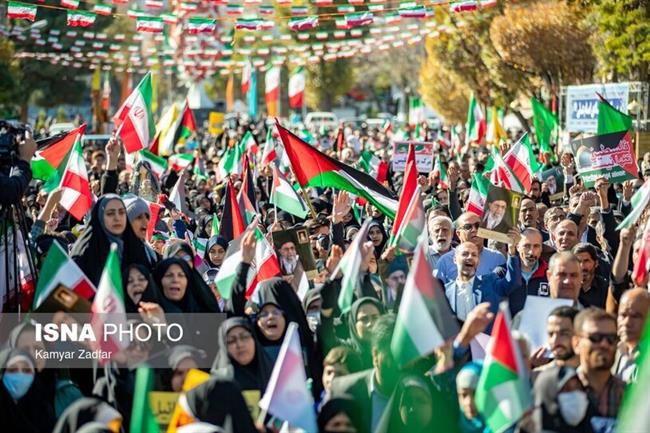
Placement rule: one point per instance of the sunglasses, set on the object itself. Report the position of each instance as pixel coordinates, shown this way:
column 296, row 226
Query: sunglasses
column 598, row 337
column 469, row 226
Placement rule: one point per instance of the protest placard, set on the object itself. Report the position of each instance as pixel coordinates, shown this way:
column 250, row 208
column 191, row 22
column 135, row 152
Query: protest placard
column 534, row 315
column 423, row 155
column 501, row 213
column 605, row 155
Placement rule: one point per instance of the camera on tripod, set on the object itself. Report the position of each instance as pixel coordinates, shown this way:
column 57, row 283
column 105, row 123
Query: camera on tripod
column 11, row 134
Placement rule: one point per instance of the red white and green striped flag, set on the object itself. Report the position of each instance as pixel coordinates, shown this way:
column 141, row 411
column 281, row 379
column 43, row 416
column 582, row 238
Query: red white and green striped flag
column 70, row 4
column 108, row 306
column 266, row 263
column 188, row 124
column 169, row 18
column 478, row 194
column 81, row 18
column 59, row 268
column 374, row 166
column 246, row 77
column 413, row 223
column 234, row 9
column 77, row 198
column 440, row 173
column 297, row 88
column 412, row 10
column 102, row 9
column 639, row 202
column 21, row 11
column 522, row 162
column 149, row 24
column 48, row 160
column 502, row 173
column 424, row 320
column 359, row 19
column 503, row 390
column 134, row 119
column 231, row 161
column 158, row 163
column 298, row 24
column 272, row 89
column 642, row 263
column 249, row 145
column 180, row 161
column 349, row 266
column 268, row 154
column 476, row 122
column 313, row 168
column 285, row 197
column 197, row 25
column 153, row 4
column 232, row 220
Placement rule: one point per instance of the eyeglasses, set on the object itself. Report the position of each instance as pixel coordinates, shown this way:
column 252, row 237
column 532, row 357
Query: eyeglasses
column 469, row 226
column 598, row 337
column 368, row 320
column 242, row 338
column 268, row 313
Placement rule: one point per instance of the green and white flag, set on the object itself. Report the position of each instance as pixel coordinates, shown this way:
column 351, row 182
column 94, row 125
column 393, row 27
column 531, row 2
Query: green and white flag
column 476, row 122
column 416, row 111
column 413, row 223
column 546, row 126
column 349, row 266
column 158, row 163
column 285, row 197
column 634, row 416
column 639, row 202
column 215, row 225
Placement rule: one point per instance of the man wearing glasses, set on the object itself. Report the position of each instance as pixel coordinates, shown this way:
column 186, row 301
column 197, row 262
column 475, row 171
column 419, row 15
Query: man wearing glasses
column 467, row 229
column 595, row 343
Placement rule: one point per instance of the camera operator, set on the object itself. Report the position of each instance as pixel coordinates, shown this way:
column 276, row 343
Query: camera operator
column 14, row 183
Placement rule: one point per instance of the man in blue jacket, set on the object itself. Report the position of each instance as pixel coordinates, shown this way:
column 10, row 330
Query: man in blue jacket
column 468, row 289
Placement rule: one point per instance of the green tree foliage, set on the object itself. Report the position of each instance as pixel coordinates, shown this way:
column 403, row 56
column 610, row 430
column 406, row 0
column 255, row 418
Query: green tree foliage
column 328, row 81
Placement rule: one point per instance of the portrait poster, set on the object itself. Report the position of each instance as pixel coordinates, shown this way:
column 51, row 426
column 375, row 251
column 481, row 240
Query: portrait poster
column 423, row 155
column 299, row 236
column 501, row 213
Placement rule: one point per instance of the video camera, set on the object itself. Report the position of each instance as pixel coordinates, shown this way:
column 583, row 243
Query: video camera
column 11, row 134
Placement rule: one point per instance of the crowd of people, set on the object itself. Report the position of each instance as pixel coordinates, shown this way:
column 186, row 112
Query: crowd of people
column 565, row 246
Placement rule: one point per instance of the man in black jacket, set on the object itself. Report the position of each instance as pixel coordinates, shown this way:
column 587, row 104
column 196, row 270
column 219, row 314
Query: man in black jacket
column 14, row 183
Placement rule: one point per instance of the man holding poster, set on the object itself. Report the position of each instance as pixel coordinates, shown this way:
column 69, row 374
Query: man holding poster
column 500, row 215
column 606, row 155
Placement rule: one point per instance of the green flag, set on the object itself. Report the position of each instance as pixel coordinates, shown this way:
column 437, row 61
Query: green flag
column 215, row 225
column 142, row 419
column 610, row 119
column 546, row 125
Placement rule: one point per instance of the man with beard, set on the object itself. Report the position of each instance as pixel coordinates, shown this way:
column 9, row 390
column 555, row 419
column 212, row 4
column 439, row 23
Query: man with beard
column 595, row 343
column 494, row 217
column 533, row 269
column 290, row 264
column 559, row 329
column 632, row 315
column 440, row 234
column 467, row 226
column 594, row 287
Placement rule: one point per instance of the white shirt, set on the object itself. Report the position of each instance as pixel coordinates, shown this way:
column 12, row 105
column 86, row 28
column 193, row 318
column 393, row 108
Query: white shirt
column 464, row 298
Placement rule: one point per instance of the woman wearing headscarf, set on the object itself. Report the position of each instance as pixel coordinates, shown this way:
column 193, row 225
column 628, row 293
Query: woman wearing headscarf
column 204, row 224
column 182, row 290
column 339, row 414
column 469, row 419
column 241, row 357
column 139, row 214
column 139, row 286
column 362, row 316
column 181, row 359
column 88, row 410
column 215, row 251
column 108, row 224
column 17, row 411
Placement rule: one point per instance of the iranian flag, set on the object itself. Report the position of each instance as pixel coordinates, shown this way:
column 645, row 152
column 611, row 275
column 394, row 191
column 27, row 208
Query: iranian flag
column 522, row 162
column 149, row 24
column 53, row 153
column 180, row 161
column 476, row 123
column 440, row 173
column 70, row 4
column 502, row 173
column 303, row 23
column 297, row 87
column 287, row 396
column 134, row 119
column 314, row 168
column 412, row 224
column 81, row 18
column 478, row 194
column 102, row 9
column 197, row 25
column 272, row 90
column 266, row 263
column 21, row 11
column 359, row 19
column 285, row 197
column 108, row 306
column 249, row 144
column 158, row 164
column 349, row 266
column 59, row 268
column 268, row 154
column 424, row 320
column 169, row 18
column 416, row 111
column 246, row 77
column 503, row 390
column 77, row 198
column 639, row 202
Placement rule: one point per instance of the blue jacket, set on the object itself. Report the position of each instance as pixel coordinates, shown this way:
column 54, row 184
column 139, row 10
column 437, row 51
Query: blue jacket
column 490, row 287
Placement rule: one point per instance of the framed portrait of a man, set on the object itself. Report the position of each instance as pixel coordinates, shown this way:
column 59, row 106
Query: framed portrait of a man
column 500, row 213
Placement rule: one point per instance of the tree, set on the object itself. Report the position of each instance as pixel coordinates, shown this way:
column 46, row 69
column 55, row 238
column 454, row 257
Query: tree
column 622, row 43
column 547, row 39
column 328, row 81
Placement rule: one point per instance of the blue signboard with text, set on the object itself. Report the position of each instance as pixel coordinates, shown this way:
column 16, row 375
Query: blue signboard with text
column 582, row 104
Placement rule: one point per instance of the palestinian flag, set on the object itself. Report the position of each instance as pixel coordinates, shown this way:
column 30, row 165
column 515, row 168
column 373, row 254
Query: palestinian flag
column 149, row 24
column 268, row 154
column 349, row 266
column 639, row 202
column 197, row 25
column 546, row 125
column 158, row 164
column 313, row 168
column 476, row 125
column 478, row 194
column 440, row 173
column 248, row 183
column 503, row 390
column 81, row 18
column 272, row 92
column 522, row 162
column 77, row 198
column 610, row 119
column 102, row 9
column 134, row 119
column 59, row 268
column 413, row 223
column 108, row 306
column 634, row 416
column 70, row 4
column 142, row 417
column 187, row 126
column 303, row 23
column 21, row 11
column 231, row 161
column 285, row 197
column 232, row 221
column 180, row 161
column 246, row 77
column 408, row 190
column 53, row 152
column 297, row 88
column 424, row 320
